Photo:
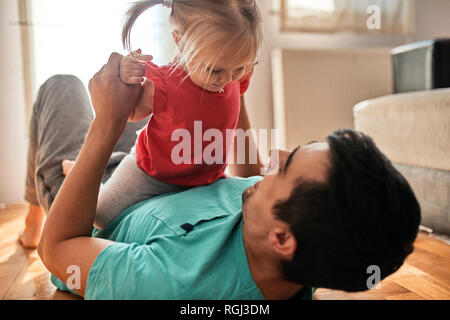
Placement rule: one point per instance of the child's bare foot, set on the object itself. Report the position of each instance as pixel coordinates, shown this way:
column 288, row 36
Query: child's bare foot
column 34, row 223
column 67, row 166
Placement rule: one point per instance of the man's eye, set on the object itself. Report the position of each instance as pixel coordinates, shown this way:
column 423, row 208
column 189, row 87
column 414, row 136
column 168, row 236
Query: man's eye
column 215, row 71
column 281, row 167
column 267, row 169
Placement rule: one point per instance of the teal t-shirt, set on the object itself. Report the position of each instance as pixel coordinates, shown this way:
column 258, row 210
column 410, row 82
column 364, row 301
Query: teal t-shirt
column 185, row 245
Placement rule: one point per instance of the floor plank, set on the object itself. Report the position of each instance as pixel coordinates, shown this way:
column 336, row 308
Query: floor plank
column 425, row 288
column 439, row 248
column 387, row 288
column 405, row 296
column 22, row 274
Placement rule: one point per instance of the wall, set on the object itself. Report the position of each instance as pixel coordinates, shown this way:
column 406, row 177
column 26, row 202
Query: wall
column 82, row 47
column 432, row 20
column 13, row 140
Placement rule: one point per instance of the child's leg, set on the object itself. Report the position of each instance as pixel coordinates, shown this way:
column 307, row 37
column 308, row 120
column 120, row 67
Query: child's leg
column 128, row 185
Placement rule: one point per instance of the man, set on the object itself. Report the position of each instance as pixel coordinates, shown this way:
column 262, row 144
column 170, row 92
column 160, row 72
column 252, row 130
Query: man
column 331, row 211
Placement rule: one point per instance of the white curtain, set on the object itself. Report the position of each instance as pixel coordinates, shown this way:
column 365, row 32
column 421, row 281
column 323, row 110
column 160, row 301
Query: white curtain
column 77, row 36
column 359, row 16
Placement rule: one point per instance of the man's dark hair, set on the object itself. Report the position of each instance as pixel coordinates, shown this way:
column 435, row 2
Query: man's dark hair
column 364, row 214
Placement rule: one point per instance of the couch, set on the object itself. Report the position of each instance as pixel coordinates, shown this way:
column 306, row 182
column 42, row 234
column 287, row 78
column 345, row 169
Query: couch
column 412, row 126
column 413, row 130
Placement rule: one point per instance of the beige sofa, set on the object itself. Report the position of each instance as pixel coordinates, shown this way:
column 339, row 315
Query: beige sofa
column 413, row 130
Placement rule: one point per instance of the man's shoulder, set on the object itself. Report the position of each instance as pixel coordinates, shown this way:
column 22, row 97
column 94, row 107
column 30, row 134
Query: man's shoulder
column 235, row 182
column 220, row 190
column 182, row 209
column 223, row 191
column 179, row 212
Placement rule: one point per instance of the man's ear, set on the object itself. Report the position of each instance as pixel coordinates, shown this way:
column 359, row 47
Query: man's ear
column 283, row 242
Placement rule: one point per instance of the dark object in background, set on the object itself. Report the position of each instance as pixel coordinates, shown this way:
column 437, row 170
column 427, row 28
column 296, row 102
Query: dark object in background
column 421, row 65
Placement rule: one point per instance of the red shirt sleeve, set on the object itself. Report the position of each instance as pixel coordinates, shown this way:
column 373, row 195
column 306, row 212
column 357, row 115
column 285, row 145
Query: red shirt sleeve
column 245, row 82
column 157, row 77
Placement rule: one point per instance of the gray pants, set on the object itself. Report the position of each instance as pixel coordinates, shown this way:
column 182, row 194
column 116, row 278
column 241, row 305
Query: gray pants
column 128, row 185
column 60, row 122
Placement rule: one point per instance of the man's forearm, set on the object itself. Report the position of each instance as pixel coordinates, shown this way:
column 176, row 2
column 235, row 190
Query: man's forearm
column 66, row 240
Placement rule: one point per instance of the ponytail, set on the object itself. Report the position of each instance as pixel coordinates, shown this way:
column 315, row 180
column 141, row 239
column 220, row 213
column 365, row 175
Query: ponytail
column 206, row 29
column 131, row 16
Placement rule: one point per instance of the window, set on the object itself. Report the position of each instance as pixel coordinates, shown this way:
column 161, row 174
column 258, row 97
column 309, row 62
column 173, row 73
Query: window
column 77, row 36
column 317, row 5
column 395, row 16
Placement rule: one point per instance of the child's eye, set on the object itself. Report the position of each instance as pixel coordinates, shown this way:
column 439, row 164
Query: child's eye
column 215, row 71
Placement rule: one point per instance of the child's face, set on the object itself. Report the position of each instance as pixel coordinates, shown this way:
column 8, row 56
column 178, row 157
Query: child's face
column 223, row 73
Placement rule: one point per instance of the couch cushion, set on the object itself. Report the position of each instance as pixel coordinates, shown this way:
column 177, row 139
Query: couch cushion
column 410, row 128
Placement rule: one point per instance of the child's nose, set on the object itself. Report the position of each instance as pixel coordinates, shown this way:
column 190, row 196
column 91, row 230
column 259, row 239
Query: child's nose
column 226, row 77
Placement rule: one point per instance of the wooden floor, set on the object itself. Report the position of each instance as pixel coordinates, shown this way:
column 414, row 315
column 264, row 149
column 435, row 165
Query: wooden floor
column 425, row 275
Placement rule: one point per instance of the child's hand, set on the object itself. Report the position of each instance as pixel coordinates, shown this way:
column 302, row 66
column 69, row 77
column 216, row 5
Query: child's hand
column 132, row 67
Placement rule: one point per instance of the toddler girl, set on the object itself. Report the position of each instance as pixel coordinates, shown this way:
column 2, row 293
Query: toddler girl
column 219, row 42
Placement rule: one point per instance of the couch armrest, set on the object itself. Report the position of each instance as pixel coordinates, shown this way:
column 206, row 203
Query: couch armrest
column 410, row 128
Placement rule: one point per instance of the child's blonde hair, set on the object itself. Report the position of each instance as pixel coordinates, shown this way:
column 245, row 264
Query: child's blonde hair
column 208, row 30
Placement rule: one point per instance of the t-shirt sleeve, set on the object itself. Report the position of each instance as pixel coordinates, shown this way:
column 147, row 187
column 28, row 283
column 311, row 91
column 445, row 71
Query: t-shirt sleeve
column 128, row 271
column 154, row 74
column 245, row 82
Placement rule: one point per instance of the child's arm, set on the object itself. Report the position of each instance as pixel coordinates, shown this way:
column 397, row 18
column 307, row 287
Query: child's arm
column 132, row 71
column 145, row 105
column 247, row 169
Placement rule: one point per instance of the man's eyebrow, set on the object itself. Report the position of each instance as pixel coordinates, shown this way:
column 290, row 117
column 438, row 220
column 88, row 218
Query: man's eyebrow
column 289, row 159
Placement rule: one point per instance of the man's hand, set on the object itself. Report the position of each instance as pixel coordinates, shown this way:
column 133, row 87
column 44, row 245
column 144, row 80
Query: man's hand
column 113, row 100
column 132, row 67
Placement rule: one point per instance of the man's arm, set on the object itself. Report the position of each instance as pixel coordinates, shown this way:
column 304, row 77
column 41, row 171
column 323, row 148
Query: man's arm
column 247, row 169
column 66, row 239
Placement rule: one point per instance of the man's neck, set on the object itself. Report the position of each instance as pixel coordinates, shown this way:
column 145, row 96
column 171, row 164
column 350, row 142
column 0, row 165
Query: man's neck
column 277, row 289
column 265, row 272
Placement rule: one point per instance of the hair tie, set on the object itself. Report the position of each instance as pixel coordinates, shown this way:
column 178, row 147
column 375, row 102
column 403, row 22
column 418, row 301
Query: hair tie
column 167, row 3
